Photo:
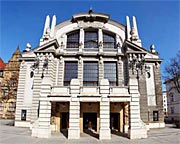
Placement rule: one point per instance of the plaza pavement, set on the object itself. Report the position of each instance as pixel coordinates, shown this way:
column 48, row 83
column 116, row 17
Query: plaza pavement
column 15, row 135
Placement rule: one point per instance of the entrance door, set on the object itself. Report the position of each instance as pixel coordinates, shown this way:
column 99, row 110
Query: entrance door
column 64, row 120
column 90, row 121
column 114, row 121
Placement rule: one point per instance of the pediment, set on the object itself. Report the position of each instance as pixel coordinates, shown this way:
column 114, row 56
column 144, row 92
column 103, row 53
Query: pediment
column 133, row 48
column 50, row 46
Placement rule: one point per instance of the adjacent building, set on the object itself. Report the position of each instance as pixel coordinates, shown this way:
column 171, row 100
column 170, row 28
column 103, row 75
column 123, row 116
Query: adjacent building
column 2, row 66
column 165, row 109
column 173, row 102
column 9, row 84
column 90, row 73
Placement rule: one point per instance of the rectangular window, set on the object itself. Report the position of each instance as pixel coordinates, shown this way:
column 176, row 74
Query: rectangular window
column 110, row 72
column 90, row 74
column 91, row 39
column 171, row 97
column 172, row 110
column 5, row 92
column 70, row 72
column 23, row 115
column 1, row 73
column 155, row 116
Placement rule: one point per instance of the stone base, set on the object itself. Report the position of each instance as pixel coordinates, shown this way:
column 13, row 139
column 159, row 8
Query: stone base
column 157, row 125
column 73, row 133
column 41, row 132
column 137, row 133
column 22, row 124
column 105, row 134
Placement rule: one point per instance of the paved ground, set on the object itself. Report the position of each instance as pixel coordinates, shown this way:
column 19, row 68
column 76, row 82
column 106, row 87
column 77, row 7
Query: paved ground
column 13, row 135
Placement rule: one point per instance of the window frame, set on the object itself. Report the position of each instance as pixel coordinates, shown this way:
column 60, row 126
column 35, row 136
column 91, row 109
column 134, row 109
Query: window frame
column 23, row 114
column 73, row 41
column 107, row 40
column 71, row 69
column 88, row 81
column 90, row 39
column 171, row 95
column 155, row 117
column 111, row 83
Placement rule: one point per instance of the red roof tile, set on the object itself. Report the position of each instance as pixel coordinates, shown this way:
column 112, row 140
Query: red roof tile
column 2, row 64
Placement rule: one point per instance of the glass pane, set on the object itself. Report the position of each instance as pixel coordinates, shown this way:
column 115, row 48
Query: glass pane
column 73, row 40
column 90, row 73
column 70, row 72
column 108, row 40
column 91, row 39
column 110, row 72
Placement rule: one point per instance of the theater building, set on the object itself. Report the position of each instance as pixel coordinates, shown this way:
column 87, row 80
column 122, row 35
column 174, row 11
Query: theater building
column 90, row 73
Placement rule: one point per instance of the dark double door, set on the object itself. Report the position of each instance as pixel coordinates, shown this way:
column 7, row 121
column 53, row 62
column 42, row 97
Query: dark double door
column 64, row 120
column 90, row 121
column 114, row 121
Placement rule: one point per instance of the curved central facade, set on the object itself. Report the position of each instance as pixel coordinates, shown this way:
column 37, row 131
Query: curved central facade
column 89, row 74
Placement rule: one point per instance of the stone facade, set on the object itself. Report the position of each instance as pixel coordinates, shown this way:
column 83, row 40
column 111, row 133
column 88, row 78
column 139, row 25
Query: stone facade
column 89, row 74
column 173, row 102
column 165, row 109
column 9, row 85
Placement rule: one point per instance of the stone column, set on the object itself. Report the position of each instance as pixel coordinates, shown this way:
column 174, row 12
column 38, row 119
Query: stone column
column 137, row 128
column 104, row 132
column 81, row 40
column 100, row 40
column 41, row 127
column 74, row 111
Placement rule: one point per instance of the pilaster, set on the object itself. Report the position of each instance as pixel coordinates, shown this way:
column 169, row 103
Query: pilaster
column 158, row 91
column 20, row 92
column 80, row 70
column 100, row 40
column 137, row 128
column 61, row 71
column 74, row 111
column 81, row 40
column 120, row 72
column 101, row 69
column 36, row 90
column 41, row 127
column 105, row 132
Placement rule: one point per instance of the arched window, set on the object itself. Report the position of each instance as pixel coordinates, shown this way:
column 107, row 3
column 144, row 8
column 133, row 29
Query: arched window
column 109, row 40
column 73, row 39
column 91, row 39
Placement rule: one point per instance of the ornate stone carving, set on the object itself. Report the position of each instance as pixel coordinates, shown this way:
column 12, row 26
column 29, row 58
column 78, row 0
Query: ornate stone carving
column 82, row 24
column 136, row 63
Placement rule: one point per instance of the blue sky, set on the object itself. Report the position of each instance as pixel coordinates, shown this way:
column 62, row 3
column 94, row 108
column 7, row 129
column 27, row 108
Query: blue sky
column 158, row 21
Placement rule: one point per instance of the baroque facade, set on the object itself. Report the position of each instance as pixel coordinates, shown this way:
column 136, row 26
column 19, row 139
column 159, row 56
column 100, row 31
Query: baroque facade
column 90, row 73
column 9, row 84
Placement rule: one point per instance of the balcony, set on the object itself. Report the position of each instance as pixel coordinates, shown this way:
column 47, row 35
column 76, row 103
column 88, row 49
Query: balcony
column 89, row 91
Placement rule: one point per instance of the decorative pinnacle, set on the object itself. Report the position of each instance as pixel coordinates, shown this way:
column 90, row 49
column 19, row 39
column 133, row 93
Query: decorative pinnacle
column 90, row 10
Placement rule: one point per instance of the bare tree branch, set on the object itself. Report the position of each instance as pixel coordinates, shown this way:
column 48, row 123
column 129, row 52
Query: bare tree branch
column 172, row 71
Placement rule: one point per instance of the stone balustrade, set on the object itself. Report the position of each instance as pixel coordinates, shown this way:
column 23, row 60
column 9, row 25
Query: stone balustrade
column 90, row 91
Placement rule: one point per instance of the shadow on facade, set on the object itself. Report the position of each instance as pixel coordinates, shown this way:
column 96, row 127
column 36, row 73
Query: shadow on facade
column 65, row 132
column 115, row 132
column 92, row 133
